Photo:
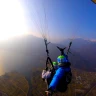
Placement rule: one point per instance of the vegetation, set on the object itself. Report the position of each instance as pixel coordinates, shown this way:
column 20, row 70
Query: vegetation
column 14, row 84
column 81, row 84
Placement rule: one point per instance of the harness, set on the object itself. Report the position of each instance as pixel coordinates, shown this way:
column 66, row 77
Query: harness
column 48, row 60
column 67, row 76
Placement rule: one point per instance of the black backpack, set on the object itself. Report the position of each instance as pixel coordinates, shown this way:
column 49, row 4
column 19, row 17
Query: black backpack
column 68, row 77
column 63, row 83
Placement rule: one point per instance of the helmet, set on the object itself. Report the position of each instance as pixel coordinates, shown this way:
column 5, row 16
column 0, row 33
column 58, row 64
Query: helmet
column 55, row 63
column 61, row 59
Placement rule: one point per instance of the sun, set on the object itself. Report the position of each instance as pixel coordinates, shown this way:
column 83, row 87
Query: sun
column 12, row 19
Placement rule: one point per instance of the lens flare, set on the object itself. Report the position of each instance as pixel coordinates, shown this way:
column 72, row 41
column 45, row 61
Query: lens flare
column 12, row 19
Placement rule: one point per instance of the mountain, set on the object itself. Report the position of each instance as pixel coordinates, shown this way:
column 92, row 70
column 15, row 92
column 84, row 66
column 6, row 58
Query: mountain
column 84, row 53
column 13, row 84
column 23, row 54
column 28, row 55
column 16, row 84
column 80, row 85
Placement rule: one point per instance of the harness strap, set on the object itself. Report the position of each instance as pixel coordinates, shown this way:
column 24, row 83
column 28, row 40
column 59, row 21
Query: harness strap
column 47, row 61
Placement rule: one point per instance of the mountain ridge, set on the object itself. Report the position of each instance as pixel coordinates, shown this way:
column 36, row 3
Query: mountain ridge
column 30, row 51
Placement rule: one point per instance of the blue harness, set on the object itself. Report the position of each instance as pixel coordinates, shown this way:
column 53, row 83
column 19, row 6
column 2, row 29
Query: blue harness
column 60, row 73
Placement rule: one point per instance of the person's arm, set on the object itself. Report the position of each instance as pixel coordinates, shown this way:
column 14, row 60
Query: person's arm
column 43, row 74
column 46, row 74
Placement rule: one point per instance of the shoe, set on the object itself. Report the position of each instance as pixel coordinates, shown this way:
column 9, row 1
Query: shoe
column 48, row 93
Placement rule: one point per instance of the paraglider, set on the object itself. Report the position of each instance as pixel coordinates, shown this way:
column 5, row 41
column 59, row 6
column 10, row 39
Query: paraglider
column 58, row 78
column 59, row 75
column 47, row 75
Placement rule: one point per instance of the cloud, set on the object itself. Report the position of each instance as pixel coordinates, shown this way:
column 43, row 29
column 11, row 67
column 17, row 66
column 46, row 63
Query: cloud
column 93, row 40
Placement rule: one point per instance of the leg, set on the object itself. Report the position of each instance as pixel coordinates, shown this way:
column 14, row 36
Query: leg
column 58, row 75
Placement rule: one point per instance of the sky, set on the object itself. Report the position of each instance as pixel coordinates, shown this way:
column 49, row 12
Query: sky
column 61, row 19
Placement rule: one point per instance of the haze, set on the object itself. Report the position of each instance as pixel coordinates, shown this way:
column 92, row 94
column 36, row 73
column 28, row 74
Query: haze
column 23, row 26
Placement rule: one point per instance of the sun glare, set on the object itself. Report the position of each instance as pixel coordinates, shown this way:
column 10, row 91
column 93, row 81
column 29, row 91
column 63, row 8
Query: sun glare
column 12, row 19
